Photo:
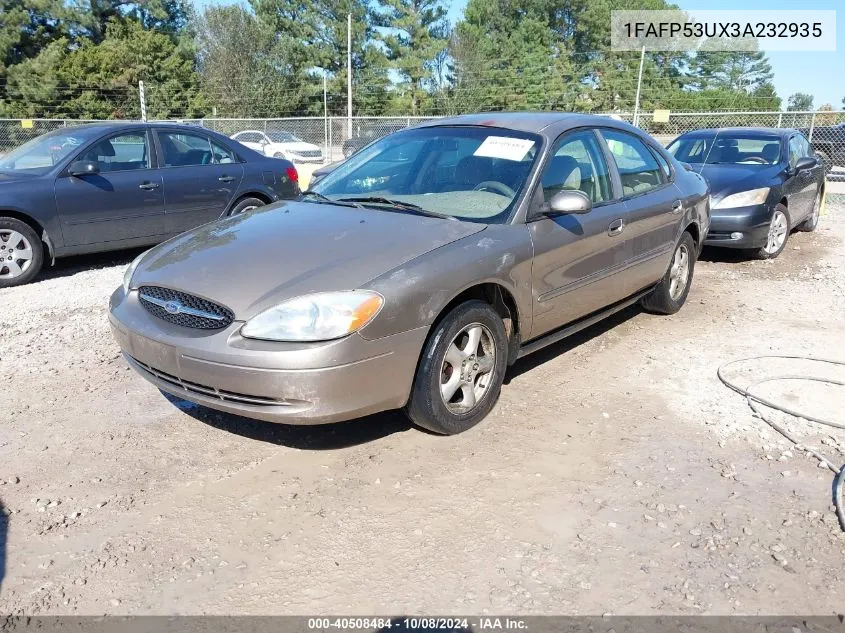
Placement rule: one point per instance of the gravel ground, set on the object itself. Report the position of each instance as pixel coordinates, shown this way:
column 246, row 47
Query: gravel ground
column 616, row 474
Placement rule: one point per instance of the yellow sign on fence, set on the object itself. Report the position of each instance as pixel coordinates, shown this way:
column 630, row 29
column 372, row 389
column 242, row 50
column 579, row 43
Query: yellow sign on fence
column 26, row 124
column 660, row 116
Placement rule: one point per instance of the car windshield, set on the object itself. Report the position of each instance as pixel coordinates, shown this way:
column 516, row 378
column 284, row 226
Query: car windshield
column 726, row 149
column 281, row 137
column 39, row 155
column 469, row 173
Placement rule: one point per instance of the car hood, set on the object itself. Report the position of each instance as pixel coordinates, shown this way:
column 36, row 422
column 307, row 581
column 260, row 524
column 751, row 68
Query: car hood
column 256, row 260
column 7, row 178
column 727, row 179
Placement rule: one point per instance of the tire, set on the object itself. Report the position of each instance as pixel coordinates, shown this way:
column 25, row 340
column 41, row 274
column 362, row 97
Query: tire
column 246, row 204
column 809, row 225
column 278, row 155
column 348, row 151
column 773, row 246
column 670, row 294
column 21, row 253
column 427, row 407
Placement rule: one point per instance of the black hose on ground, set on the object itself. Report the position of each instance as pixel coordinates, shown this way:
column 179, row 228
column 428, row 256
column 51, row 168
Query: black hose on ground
column 754, row 399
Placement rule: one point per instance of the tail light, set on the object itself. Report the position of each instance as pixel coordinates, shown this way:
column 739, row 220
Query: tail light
column 293, row 176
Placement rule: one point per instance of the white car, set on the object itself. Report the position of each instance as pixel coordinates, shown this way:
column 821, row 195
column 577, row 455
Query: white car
column 280, row 144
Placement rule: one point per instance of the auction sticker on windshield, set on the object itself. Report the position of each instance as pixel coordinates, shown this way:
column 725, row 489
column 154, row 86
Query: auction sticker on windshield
column 504, row 147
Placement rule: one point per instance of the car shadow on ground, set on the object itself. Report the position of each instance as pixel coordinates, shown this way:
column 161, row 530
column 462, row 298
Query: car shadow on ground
column 372, row 427
column 725, row 255
column 4, row 533
column 546, row 354
column 319, row 437
column 68, row 266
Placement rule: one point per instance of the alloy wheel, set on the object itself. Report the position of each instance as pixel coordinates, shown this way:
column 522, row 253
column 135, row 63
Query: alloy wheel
column 467, row 370
column 15, row 254
column 679, row 272
column 778, row 228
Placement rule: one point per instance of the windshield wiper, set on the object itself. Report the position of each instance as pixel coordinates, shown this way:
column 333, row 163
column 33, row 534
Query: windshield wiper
column 321, row 198
column 399, row 205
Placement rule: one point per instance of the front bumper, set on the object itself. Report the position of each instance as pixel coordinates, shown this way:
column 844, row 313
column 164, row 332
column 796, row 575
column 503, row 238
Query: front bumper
column 751, row 222
column 305, row 159
column 293, row 383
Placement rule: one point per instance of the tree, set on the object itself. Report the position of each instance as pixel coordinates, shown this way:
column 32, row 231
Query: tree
column 246, row 71
column 799, row 102
column 28, row 27
column 99, row 81
column 94, row 16
column 417, row 35
column 314, row 34
column 732, row 70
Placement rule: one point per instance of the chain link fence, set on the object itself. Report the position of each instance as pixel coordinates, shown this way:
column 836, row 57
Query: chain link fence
column 339, row 137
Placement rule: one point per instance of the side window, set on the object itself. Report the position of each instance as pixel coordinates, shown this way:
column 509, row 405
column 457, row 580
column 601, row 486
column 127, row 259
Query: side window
column 638, row 168
column 221, row 155
column 664, row 165
column 183, row 149
column 121, row 152
column 806, row 149
column 577, row 163
column 794, row 151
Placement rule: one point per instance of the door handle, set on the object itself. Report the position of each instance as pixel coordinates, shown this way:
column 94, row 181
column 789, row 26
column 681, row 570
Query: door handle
column 677, row 207
column 616, row 227
column 226, row 178
column 148, row 186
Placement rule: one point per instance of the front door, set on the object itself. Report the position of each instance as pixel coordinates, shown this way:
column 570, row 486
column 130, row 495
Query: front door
column 799, row 187
column 124, row 201
column 576, row 256
column 200, row 178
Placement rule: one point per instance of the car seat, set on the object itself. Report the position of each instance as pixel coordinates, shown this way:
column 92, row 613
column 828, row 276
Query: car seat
column 770, row 152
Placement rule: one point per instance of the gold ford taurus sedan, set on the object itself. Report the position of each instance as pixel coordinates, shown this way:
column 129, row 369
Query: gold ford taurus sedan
column 416, row 272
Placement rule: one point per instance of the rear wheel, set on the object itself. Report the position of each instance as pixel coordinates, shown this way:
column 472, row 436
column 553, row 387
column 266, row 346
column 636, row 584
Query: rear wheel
column 812, row 220
column 671, row 292
column 21, row 253
column 461, row 370
column 777, row 236
column 247, row 204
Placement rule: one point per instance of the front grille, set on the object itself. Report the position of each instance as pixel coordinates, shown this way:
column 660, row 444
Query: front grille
column 309, row 153
column 183, row 309
column 212, row 392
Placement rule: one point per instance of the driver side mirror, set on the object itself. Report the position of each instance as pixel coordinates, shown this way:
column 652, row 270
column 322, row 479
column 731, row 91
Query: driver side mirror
column 806, row 162
column 568, row 203
column 83, row 168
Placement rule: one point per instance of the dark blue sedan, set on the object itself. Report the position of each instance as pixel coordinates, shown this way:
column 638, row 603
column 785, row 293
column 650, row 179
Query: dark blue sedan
column 109, row 186
column 764, row 183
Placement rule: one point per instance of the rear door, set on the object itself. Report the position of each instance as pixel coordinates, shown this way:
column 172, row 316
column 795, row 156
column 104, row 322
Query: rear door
column 575, row 256
column 653, row 208
column 201, row 177
column 124, row 201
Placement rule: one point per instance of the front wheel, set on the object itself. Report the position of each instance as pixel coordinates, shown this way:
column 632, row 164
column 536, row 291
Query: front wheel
column 777, row 236
column 21, row 253
column 671, row 292
column 461, row 370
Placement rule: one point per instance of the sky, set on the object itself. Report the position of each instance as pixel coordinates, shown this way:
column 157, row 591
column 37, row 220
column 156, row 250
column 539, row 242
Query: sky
column 817, row 73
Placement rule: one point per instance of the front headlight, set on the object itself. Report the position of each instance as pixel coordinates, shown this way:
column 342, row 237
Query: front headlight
column 317, row 317
column 744, row 199
column 127, row 276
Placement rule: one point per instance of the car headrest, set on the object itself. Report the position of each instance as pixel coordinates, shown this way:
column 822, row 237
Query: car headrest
column 103, row 148
column 562, row 172
column 770, row 152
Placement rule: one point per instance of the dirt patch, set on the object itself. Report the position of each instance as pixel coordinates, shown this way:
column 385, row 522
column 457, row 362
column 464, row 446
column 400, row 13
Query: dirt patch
column 616, row 475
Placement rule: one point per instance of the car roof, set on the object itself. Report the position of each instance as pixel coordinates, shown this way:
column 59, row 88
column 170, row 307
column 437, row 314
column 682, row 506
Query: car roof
column 529, row 121
column 747, row 131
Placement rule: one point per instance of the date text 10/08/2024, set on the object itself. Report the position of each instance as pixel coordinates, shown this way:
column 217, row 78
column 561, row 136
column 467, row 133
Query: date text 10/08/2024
column 418, row 623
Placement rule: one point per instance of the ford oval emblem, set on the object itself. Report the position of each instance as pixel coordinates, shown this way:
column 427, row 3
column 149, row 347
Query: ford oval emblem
column 173, row 307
